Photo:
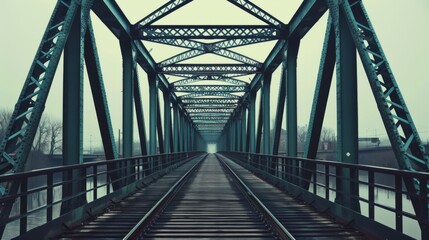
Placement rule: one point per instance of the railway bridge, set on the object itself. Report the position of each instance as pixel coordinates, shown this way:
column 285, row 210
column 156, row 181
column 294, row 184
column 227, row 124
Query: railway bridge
column 173, row 188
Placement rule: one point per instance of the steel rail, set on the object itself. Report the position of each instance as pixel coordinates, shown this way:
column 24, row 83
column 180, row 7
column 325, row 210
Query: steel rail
column 161, row 204
column 278, row 228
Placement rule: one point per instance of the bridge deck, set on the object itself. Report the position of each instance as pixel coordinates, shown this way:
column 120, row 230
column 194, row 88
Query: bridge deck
column 124, row 215
column 301, row 220
column 210, row 206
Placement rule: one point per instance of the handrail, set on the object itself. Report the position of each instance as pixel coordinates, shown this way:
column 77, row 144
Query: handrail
column 324, row 177
column 49, row 182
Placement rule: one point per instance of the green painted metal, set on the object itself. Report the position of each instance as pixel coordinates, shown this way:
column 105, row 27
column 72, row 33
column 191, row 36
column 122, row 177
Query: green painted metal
column 159, row 127
column 291, row 100
column 22, row 128
column 167, row 122
column 347, row 111
column 127, row 97
column 260, row 122
column 266, row 89
column 320, row 99
column 139, row 115
column 176, row 128
column 73, row 114
column 403, row 135
column 153, row 106
column 252, row 123
column 243, row 129
column 100, row 101
column 279, row 111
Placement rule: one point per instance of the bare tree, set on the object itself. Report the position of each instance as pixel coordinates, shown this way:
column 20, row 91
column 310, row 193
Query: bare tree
column 302, row 134
column 41, row 140
column 56, row 137
column 4, row 122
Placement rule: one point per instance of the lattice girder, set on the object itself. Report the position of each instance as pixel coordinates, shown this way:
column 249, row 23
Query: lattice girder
column 204, row 69
column 209, row 32
column 209, row 88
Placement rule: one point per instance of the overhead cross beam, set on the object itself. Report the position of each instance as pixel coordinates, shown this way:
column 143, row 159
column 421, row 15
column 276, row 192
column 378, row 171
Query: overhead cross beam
column 209, row 69
column 209, row 88
column 209, row 110
column 257, row 12
column 161, row 12
column 219, row 78
column 192, row 44
column 213, row 106
column 203, row 94
column 189, row 101
column 221, row 52
column 209, row 32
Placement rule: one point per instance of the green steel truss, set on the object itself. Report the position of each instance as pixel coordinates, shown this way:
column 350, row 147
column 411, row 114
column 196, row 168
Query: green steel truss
column 223, row 108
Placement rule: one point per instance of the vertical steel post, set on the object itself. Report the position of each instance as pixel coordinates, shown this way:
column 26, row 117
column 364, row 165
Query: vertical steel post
column 251, row 117
column 167, row 122
column 243, row 129
column 266, row 112
column 291, row 99
column 140, row 115
column 73, row 116
column 159, row 126
column 291, row 106
column 127, row 97
column 347, row 114
column 153, row 100
column 176, row 128
column 237, row 132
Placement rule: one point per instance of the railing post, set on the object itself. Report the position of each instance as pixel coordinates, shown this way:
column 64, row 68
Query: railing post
column 423, row 208
column 23, row 206
column 398, row 203
column 371, row 197
column 49, row 196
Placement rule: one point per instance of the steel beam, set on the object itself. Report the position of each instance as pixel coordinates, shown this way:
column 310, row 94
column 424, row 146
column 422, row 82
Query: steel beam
column 95, row 78
column 209, row 32
column 161, row 12
column 204, row 69
column 195, row 95
column 220, row 78
column 209, row 88
column 243, row 129
column 266, row 89
column 167, row 122
column 280, row 110
column 320, row 100
column 291, row 100
column 26, row 116
column 257, row 12
column 153, row 101
column 176, row 130
column 347, row 113
column 127, row 98
column 251, row 123
column 140, row 115
column 159, row 126
column 73, row 116
column 260, row 124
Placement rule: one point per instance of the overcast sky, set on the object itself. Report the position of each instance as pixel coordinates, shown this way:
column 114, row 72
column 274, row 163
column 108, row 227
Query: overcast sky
column 401, row 27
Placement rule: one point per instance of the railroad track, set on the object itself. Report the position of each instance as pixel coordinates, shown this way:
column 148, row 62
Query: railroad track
column 210, row 202
column 213, row 198
column 300, row 219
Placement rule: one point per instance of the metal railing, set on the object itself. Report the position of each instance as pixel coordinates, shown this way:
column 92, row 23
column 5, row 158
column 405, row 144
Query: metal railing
column 381, row 192
column 40, row 196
